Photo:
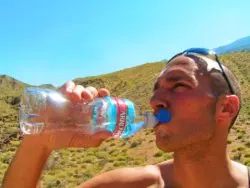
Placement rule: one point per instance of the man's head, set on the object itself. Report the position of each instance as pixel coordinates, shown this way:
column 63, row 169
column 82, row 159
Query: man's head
column 193, row 88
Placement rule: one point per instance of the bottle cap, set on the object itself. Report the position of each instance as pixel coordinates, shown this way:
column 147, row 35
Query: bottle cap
column 163, row 115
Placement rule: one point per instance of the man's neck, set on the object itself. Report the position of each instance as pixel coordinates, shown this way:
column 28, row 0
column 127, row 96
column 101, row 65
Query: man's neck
column 204, row 164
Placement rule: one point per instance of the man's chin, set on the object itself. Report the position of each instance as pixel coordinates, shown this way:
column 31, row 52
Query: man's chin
column 166, row 147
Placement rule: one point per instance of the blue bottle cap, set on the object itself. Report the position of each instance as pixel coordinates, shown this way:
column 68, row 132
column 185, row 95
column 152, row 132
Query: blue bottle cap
column 163, row 115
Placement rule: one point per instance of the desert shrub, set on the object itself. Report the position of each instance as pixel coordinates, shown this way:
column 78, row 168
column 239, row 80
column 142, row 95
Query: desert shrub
column 134, row 144
column 119, row 163
column 102, row 154
column 247, row 161
column 158, row 154
column 237, row 156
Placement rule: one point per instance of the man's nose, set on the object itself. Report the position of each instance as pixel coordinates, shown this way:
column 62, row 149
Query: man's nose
column 158, row 102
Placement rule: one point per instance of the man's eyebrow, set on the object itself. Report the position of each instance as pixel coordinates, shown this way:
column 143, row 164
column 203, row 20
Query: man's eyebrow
column 177, row 75
column 173, row 77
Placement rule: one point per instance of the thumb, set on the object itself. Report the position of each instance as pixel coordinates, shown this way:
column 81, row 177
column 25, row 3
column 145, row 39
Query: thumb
column 103, row 134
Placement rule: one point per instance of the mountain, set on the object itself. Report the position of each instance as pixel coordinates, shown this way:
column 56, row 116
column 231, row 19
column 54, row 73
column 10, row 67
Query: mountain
column 242, row 44
column 9, row 83
column 69, row 167
column 10, row 93
column 48, row 86
column 11, row 90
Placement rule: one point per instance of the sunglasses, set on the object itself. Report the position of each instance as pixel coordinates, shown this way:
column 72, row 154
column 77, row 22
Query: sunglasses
column 208, row 53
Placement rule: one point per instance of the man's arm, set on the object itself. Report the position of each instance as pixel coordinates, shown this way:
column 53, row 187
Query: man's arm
column 27, row 165
column 127, row 177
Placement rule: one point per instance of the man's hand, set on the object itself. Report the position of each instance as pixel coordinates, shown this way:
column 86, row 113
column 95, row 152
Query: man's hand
column 73, row 136
column 77, row 93
column 27, row 165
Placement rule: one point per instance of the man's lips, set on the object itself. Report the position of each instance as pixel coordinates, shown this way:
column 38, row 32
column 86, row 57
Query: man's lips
column 165, row 124
column 160, row 123
column 163, row 116
column 157, row 124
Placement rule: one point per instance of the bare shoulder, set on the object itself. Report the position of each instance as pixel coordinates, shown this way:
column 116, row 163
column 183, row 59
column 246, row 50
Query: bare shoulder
column 239, row 168
column 166, row 169
column 147, row 176
column 167, row 164
column 240, row 172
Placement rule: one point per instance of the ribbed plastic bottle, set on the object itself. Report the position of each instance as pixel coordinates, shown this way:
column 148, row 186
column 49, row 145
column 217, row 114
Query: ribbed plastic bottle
column 49, row 109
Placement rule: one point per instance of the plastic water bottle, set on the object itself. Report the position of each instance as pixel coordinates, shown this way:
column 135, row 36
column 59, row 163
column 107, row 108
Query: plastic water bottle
column 46, row 108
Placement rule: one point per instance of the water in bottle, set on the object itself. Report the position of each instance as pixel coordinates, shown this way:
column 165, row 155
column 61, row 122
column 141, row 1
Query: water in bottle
column 46, row 109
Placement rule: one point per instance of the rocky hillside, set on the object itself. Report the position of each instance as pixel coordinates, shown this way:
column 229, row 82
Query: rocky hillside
column 67, row 168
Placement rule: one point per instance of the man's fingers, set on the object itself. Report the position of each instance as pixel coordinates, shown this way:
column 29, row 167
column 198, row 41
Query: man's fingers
column 83, row 139
column 76, row 95
column 90, row 93
column 87, row 95
column 67, row 88
column 103, row 92
column 93, row 91
column 102, row 134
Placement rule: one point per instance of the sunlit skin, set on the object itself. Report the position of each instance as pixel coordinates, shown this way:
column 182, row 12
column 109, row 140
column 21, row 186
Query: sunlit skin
column 197, row 132
column 198, row 129
column 187, row 95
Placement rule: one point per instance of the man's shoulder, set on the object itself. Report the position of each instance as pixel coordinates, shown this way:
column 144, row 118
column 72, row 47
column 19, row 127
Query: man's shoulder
column 239, row 166
column 240, row 172
column 166, row 169
column 166, row 164
column 149, row 175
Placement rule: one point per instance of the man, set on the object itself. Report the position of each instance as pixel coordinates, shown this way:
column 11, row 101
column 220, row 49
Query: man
column 203, row 98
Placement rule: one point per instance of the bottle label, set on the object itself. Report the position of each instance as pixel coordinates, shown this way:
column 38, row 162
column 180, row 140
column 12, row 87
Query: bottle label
column 98, row 113
column 100, row 116
column 121, row 123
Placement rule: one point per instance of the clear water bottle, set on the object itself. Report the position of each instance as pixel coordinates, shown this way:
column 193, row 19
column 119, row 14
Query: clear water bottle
column 46, row 108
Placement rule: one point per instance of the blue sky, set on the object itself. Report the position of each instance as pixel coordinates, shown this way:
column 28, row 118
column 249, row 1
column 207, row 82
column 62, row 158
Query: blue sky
column 52, row 41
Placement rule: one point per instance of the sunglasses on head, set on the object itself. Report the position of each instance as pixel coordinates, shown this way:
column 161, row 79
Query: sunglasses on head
column 208, row 53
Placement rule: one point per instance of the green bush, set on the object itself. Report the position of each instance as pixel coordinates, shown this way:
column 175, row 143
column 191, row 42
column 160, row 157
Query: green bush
column 158, row 154
column 119, row 163
column 102, row 154
column 134, row 144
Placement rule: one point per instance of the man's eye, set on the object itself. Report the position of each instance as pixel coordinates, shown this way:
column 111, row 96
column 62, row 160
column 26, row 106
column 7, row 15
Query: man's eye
column 180, row 87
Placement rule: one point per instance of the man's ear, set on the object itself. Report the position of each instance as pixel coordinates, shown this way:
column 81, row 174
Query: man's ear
column 228, row 107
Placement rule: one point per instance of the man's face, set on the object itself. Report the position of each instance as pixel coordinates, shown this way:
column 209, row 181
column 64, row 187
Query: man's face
column 184, row 89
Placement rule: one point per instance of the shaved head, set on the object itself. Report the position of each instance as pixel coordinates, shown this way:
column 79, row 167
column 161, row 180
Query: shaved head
column 218, row 83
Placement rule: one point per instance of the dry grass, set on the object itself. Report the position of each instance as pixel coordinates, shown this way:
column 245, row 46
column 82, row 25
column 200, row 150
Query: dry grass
column 67, row 168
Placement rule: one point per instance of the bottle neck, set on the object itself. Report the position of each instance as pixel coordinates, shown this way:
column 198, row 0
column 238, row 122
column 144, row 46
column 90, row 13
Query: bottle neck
column 150, row 120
